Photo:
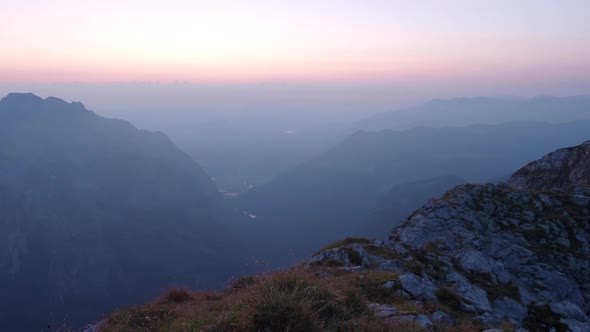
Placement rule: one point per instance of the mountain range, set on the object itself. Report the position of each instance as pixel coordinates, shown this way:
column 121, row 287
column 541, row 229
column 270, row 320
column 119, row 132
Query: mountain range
column 252, row 148
column 334, row 194
column 467, row 111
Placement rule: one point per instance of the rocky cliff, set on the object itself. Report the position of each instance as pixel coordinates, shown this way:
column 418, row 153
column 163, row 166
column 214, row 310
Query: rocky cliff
column 515, row 252
column 564, row 169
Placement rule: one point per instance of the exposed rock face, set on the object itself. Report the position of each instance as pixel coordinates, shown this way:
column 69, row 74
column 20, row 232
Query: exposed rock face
column 518, row 253
column 416, row 286
column 563, row 169
column 510, row 236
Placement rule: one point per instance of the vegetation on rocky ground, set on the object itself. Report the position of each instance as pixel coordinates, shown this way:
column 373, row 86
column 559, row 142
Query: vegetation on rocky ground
column 300, row 299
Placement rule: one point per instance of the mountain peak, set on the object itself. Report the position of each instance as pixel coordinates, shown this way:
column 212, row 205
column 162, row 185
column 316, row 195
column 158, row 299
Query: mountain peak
column 30, row 102
column 563, row 169
column 21, row 97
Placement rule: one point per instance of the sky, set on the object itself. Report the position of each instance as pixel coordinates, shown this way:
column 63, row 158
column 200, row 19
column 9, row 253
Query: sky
column 420, row 49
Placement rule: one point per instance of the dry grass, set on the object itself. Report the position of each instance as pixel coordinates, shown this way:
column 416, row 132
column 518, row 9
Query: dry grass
column 299, row 299
column 294, row 300
column 177, row 295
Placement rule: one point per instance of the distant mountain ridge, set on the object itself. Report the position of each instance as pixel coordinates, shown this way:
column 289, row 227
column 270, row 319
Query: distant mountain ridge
column 481, row 110
column 97, row 214
column 332, row 195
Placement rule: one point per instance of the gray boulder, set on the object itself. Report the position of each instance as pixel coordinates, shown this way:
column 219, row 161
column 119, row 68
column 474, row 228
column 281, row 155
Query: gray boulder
column 475, row 262
column 417, row 287
column 336, row 254
column 508, row 308
column 474, row 296
column 568, row 310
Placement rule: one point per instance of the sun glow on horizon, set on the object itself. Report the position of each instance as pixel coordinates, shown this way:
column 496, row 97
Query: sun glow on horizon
column 224, row 41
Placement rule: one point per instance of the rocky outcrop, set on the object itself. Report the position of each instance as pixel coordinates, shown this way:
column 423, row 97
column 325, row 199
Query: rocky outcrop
column 566, row 169
column 513, row 253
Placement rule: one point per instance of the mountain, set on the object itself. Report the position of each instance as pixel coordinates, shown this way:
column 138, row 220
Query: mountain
column 481, row 110
column 97, row 214
column 332, row 195
column 565, row 169
column 493, row 257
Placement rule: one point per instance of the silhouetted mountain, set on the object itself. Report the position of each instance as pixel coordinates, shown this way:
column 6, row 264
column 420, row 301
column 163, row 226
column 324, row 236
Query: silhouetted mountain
column 481, row 110
column 97, row 214
column 328, row 197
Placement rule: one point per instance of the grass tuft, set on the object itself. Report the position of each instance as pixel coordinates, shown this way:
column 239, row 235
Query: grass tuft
column 176, row 295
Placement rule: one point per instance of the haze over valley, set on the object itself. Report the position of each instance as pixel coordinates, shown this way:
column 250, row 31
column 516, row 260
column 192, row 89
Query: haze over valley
column 295, row 166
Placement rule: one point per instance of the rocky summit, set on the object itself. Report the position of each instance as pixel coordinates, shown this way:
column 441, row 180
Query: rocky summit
column 506, row 253
column 492, row 257
column 565, row 169
column 512, row 253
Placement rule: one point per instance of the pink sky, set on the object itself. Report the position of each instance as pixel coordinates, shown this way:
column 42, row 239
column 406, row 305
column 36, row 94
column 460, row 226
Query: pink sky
column 263, row 40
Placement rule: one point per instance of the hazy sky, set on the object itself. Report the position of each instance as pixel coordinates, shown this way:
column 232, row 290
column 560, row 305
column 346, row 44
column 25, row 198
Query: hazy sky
column 512, row 46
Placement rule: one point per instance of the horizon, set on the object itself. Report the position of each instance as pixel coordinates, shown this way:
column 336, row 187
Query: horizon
column 346, row 56
column 350, row 101
column 181, row 108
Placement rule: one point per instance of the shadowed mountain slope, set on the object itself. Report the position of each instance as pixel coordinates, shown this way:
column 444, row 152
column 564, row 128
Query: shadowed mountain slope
column 97, row 214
